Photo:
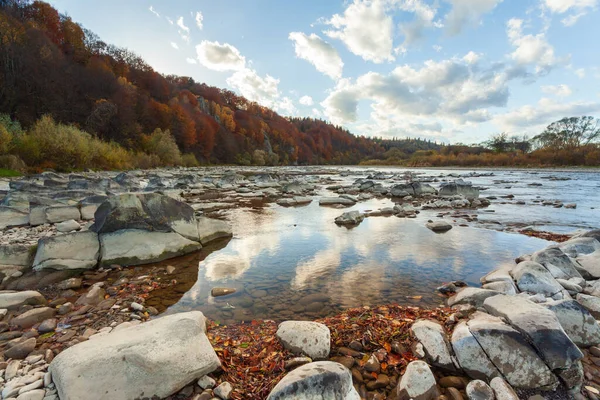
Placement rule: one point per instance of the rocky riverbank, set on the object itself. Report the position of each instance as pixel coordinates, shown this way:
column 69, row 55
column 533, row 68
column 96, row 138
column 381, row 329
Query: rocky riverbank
column 78, row 321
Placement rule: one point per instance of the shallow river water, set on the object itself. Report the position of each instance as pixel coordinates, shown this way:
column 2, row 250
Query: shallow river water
column 295, row 263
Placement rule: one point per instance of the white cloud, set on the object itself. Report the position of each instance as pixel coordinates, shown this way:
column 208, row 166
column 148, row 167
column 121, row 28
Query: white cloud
column 184, row 31
column 424, row 18
column 153, row 11
column 546, row 112
column 286, row 106
column 254, row 87
column 437, row 48
column 319, row 53
column 199, row 18
column 531, row 49
column 170, row 20
column 558, row 90
column 467, row 12
column 220, row 57
column 409, row 97
column 365, row 29
column 306, row 101
column 580, row 72
column 191, row 61
column 174, row 45
column 471, row 57
column 576, row 8
column 316, row 113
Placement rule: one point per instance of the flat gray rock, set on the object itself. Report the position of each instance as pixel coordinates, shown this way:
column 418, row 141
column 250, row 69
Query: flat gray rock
column 14, row 300
column 577, row 322
column 316, row 381
column 558, row 263
column 579, row 246
column 154, row 359
column 502, row 390
column 540, row 325
column 590, row 303
column 79, row 250
column 210, row 229
column 471, row 357
column 471, row 295
column 510, row 352
column 533, row 277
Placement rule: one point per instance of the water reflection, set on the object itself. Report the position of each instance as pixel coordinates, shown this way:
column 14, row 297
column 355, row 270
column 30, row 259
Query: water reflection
column 296, row 263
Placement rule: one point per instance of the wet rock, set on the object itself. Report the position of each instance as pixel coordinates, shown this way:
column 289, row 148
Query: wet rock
column 304, row 337
column 21, row 350
column 336, row 201
column 581, row 327
column 13, row 300
column 317, row 380
column 433, row 338
column 220, row 291
column 510, row 352
column 350, row 218
column 479, row 390
column 458, row 187
column 125, row 364
column 502, row 390
column 79, row 250
column 417, row 383
column 533, row 277
column 210, row 229
column 32, row 317
column 540, row 326
column 439, row 226
column 471, row 357
column 382, row 381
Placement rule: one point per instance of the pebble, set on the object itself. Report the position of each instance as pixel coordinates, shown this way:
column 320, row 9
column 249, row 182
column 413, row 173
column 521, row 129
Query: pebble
column 206, row 382
column 296, row 362
column 452, row 381
column 21, row 350
column 224, row 390
column 479, row 390
column 137, row 306
column 372, row 365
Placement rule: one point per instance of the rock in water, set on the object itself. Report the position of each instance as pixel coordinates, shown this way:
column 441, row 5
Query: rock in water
column 317, row 380
column 417, row 383
column 219, row 291
column 350, row 218
column 156, row 358
column 439, row 226
column 304, row 337
column 459, row 187
column 210, row 229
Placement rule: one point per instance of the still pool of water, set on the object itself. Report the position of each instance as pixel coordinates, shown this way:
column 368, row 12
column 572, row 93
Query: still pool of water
column 296, row 263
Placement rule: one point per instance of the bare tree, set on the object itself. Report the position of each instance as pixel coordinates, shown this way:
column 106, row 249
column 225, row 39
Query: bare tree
column 570, row 133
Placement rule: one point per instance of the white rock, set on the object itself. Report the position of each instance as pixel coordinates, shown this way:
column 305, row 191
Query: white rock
column 223, row 390
column 433, row 338
column 470, row 355
column 79, row 250
column 68, row 226
column 304, row 337
column 11, row 300
column 62, row 213
column 210, row 229
column 206, row 382
column 37, row 394
column 502, row 390
column 417, row 382
column 157, row 358
column 479, row 390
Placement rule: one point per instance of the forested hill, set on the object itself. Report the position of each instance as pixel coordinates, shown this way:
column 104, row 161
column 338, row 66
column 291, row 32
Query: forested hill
column 50, row 65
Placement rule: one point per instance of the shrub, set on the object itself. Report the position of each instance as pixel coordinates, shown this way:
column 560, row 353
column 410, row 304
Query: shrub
column 162, row 144
column 6, row 140
column 189, row 160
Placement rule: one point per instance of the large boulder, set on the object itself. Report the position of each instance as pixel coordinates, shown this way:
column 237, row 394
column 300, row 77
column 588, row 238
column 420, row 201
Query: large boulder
column 458, row 188
column 533, row 277
column 589, row 264
column 590, row 303
column 79, row 250
column 15, row 255
column 579, row 246
column 558, row 263
column 305, row 337
column 62, row 213
column 136, row 247
column 540, row 326
column 32, row 317
column 316, row 381
column 471, row 295
column 510, row 352
column 149, row 212
column 577, row 322
column 210, row 229
column 413, row 189
column 138, row 229
column 435, row 343
column 418, row 383
column 14, row 300
column 471, row 357
column 151, row 360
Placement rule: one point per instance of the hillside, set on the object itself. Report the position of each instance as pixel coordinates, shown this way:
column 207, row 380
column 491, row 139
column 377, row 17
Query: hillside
column 51, row 65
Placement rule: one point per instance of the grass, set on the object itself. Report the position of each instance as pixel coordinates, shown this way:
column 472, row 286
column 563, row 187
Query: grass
column 8, row 173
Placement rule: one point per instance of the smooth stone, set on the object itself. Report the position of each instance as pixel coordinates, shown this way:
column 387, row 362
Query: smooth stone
column 417, row 383
column 502, row 390
column 79, row 250
column 435, row 343
column 37, row 394
column 471, row 295
column 48, row 325
column 439, row 226
column 21, row 350
column 219, row 291
column 304, row 337
column 14, row 300
column 68, row 226
column 32, row 317
column 471, row 357
column 206, row 382
column 210, row 229
column 479, row 390
column 223, row 390
column 581, row 327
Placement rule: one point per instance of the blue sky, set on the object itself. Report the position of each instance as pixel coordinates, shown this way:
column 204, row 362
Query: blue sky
column 450, row 70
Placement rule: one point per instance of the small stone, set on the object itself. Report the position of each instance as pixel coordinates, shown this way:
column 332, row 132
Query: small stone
column 136, row 306
column 454, row 394
column 187, row 391
column 356, row 345
column 381, row 382
column 372, row 365
column 221, row 291
column 11, row 370
column 170, row 269
column 479, row 390
column 37, row 394
column 48, row 325
column 21, row 350
column 503, row 390
column 452, row 381
column 71, row 283
column 35, row 385
column 206, row 382
column 224, row 390
column 349, row 352
column 595, row 351
column 65, row 308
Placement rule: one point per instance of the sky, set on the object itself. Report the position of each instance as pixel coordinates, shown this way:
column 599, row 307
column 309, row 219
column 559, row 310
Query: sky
column 445, row 70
